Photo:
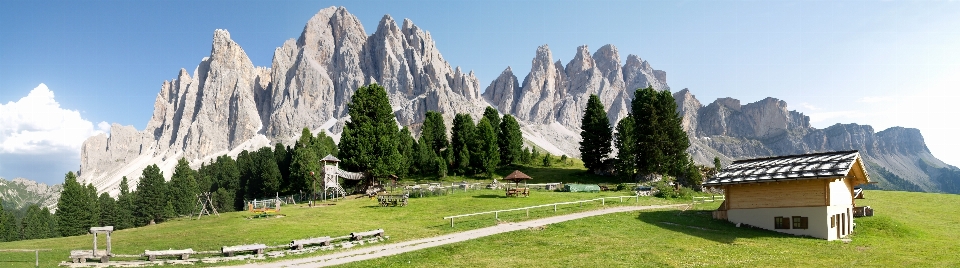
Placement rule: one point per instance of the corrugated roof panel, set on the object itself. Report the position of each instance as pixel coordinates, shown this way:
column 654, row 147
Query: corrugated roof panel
column 786, row 167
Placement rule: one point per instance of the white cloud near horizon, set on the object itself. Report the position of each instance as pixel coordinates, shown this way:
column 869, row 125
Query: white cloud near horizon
column 36, row 124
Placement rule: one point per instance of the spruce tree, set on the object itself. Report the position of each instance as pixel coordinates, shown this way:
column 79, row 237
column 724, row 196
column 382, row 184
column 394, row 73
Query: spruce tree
column 51, row 222
column 151, row 198
column 426, row 158
column 675, row 138
column 369, row 140
column 596, row 135
column 267, row 173
column 72, row 212
column 183, row 188
column 716, row 164
column 324, row 145
column 93, row 206
column 108, row 210
column 125, row 207
column 626, row 163
column 245, row 167
column 489, row 151
column 34, row 225
column 491, row 114
column 408, row 152
column 463, row 135
column 305, row 160
column 510, row 141
column 282, row 157
column 534, row 157
column 435, row 133
column 11, row 227
column 648, row 132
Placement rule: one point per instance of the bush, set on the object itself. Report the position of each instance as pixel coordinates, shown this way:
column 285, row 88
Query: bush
column 664, row 190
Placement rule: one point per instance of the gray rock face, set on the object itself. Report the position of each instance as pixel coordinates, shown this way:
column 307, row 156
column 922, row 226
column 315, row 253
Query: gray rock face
column 554, row 94
column 229, row 105
column 23, row 192
column 729, row 130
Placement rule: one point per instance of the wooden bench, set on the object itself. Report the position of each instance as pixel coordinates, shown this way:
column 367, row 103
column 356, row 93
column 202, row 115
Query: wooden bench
column 392, row 199
column 230, row 250
column 81, row 256
column 184, row 254
column 360, row 235
column 298, row 244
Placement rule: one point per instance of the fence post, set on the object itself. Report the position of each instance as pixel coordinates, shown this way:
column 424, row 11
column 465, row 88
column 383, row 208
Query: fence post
column 554, row 207
column 496, row 214
column 528, row 213
column 451, row 222
column 603, row 201
column 37, row 261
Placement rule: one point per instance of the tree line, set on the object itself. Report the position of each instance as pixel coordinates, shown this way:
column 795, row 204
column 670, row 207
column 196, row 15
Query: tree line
column 650, row 140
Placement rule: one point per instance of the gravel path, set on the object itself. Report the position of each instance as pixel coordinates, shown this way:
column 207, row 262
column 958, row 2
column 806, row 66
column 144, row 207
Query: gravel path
column 366, row 253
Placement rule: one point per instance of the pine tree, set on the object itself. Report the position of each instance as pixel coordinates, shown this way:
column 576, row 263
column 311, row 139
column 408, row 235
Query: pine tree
column 426, row 158
column 304, row 162
column 108, row 210
column 525, row 156
column 408, row 150
column 34, row 225
column 11, row 228
column 535, row 156
column 369, row 140
column 626, row 163
column 125, row 207
column 324, row 145
column 183, row 188
column 282, row 157
column 93, row 206
column 716, row 164
column 661, row 140
column 510, row 141
column 51, row 222
column 228, row 181
column 491, row 114
column 463, row 135
column 596, row 135
column 489, row 151
column 245, row 167
column 546, row 160
column 268, row 173
column 435, row 133
column 72, row 212
column 151, row 198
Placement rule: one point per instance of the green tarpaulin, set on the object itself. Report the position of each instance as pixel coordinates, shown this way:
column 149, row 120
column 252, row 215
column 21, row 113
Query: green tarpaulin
column 581, row 188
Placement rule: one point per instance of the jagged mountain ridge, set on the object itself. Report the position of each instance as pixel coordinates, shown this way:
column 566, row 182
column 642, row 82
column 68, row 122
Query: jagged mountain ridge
column 21, row 192
column 729, row 130
column 228, row 105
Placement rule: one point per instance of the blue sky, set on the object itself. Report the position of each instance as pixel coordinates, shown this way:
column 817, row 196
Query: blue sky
column 882, row 63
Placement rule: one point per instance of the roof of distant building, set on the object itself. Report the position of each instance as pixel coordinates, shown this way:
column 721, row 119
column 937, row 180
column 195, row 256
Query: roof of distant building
column 786, row 168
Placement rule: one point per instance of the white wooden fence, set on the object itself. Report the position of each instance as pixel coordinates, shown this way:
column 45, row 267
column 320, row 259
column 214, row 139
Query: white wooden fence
column 496, row 213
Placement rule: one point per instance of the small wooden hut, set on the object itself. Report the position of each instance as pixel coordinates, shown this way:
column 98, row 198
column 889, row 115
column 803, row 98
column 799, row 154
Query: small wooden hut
column 516, row 177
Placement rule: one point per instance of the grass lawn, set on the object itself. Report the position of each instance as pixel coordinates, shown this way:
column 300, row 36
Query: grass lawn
column 421, row 218
column 909, row 230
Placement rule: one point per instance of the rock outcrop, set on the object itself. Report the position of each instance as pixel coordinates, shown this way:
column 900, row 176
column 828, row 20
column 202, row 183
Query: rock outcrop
column 729, row 130
column 227, row 105
column 22, row 192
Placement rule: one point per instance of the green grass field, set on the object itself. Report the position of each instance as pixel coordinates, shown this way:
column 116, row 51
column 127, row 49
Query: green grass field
column 421, row 218
column 909, row 230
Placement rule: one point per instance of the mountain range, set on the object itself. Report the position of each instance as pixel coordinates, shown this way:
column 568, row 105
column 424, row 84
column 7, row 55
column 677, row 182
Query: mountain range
column 226, row 105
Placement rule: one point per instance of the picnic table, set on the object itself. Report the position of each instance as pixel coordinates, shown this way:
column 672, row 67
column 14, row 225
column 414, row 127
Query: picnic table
column 518, row 192
column 392, row 199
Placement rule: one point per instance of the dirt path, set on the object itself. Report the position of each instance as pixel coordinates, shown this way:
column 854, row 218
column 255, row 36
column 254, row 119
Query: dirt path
column 367, row 253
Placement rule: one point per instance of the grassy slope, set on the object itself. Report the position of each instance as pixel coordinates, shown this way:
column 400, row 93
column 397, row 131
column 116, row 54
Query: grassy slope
column 909, row 230
column 422, row 218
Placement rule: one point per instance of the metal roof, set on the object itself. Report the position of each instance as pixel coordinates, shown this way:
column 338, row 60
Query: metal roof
column 785, row 168
column 329, row 158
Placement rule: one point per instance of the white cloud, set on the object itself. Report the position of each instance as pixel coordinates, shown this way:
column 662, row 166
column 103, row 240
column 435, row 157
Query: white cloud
column 36, row 124
column 809, row 106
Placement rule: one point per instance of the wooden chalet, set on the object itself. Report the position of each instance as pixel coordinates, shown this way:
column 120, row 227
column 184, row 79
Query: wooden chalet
column 811, row 194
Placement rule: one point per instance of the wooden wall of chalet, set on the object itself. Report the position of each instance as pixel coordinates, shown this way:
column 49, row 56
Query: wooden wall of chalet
column 802, row 193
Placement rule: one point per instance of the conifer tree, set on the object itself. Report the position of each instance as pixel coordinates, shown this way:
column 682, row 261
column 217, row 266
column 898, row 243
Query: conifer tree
column 11, row 226
column 35, row 226
column 625, row 142
column 369, row 140
column 305, row 161
column 435, row 133
column 267, row 173
column 426, row 158
column 108, row 210
column 324, row 145
column 407, row 151
column 245, row 167
column 183, row 188
column 72, row 212
column 489, row 151
column 596, row 135
column 125, row 207
column 92, row 206
column 491, row 114
column 510, row 141
column 151, row 198
column 462, row 136
column 282, row 157
column 51, row 222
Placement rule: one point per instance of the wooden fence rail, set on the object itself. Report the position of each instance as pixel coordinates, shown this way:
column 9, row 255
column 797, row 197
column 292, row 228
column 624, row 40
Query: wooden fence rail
column 496, row 213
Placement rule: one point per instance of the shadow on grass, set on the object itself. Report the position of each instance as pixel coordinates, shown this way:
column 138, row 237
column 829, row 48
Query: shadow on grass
column 489, row 196
column 700, row 223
